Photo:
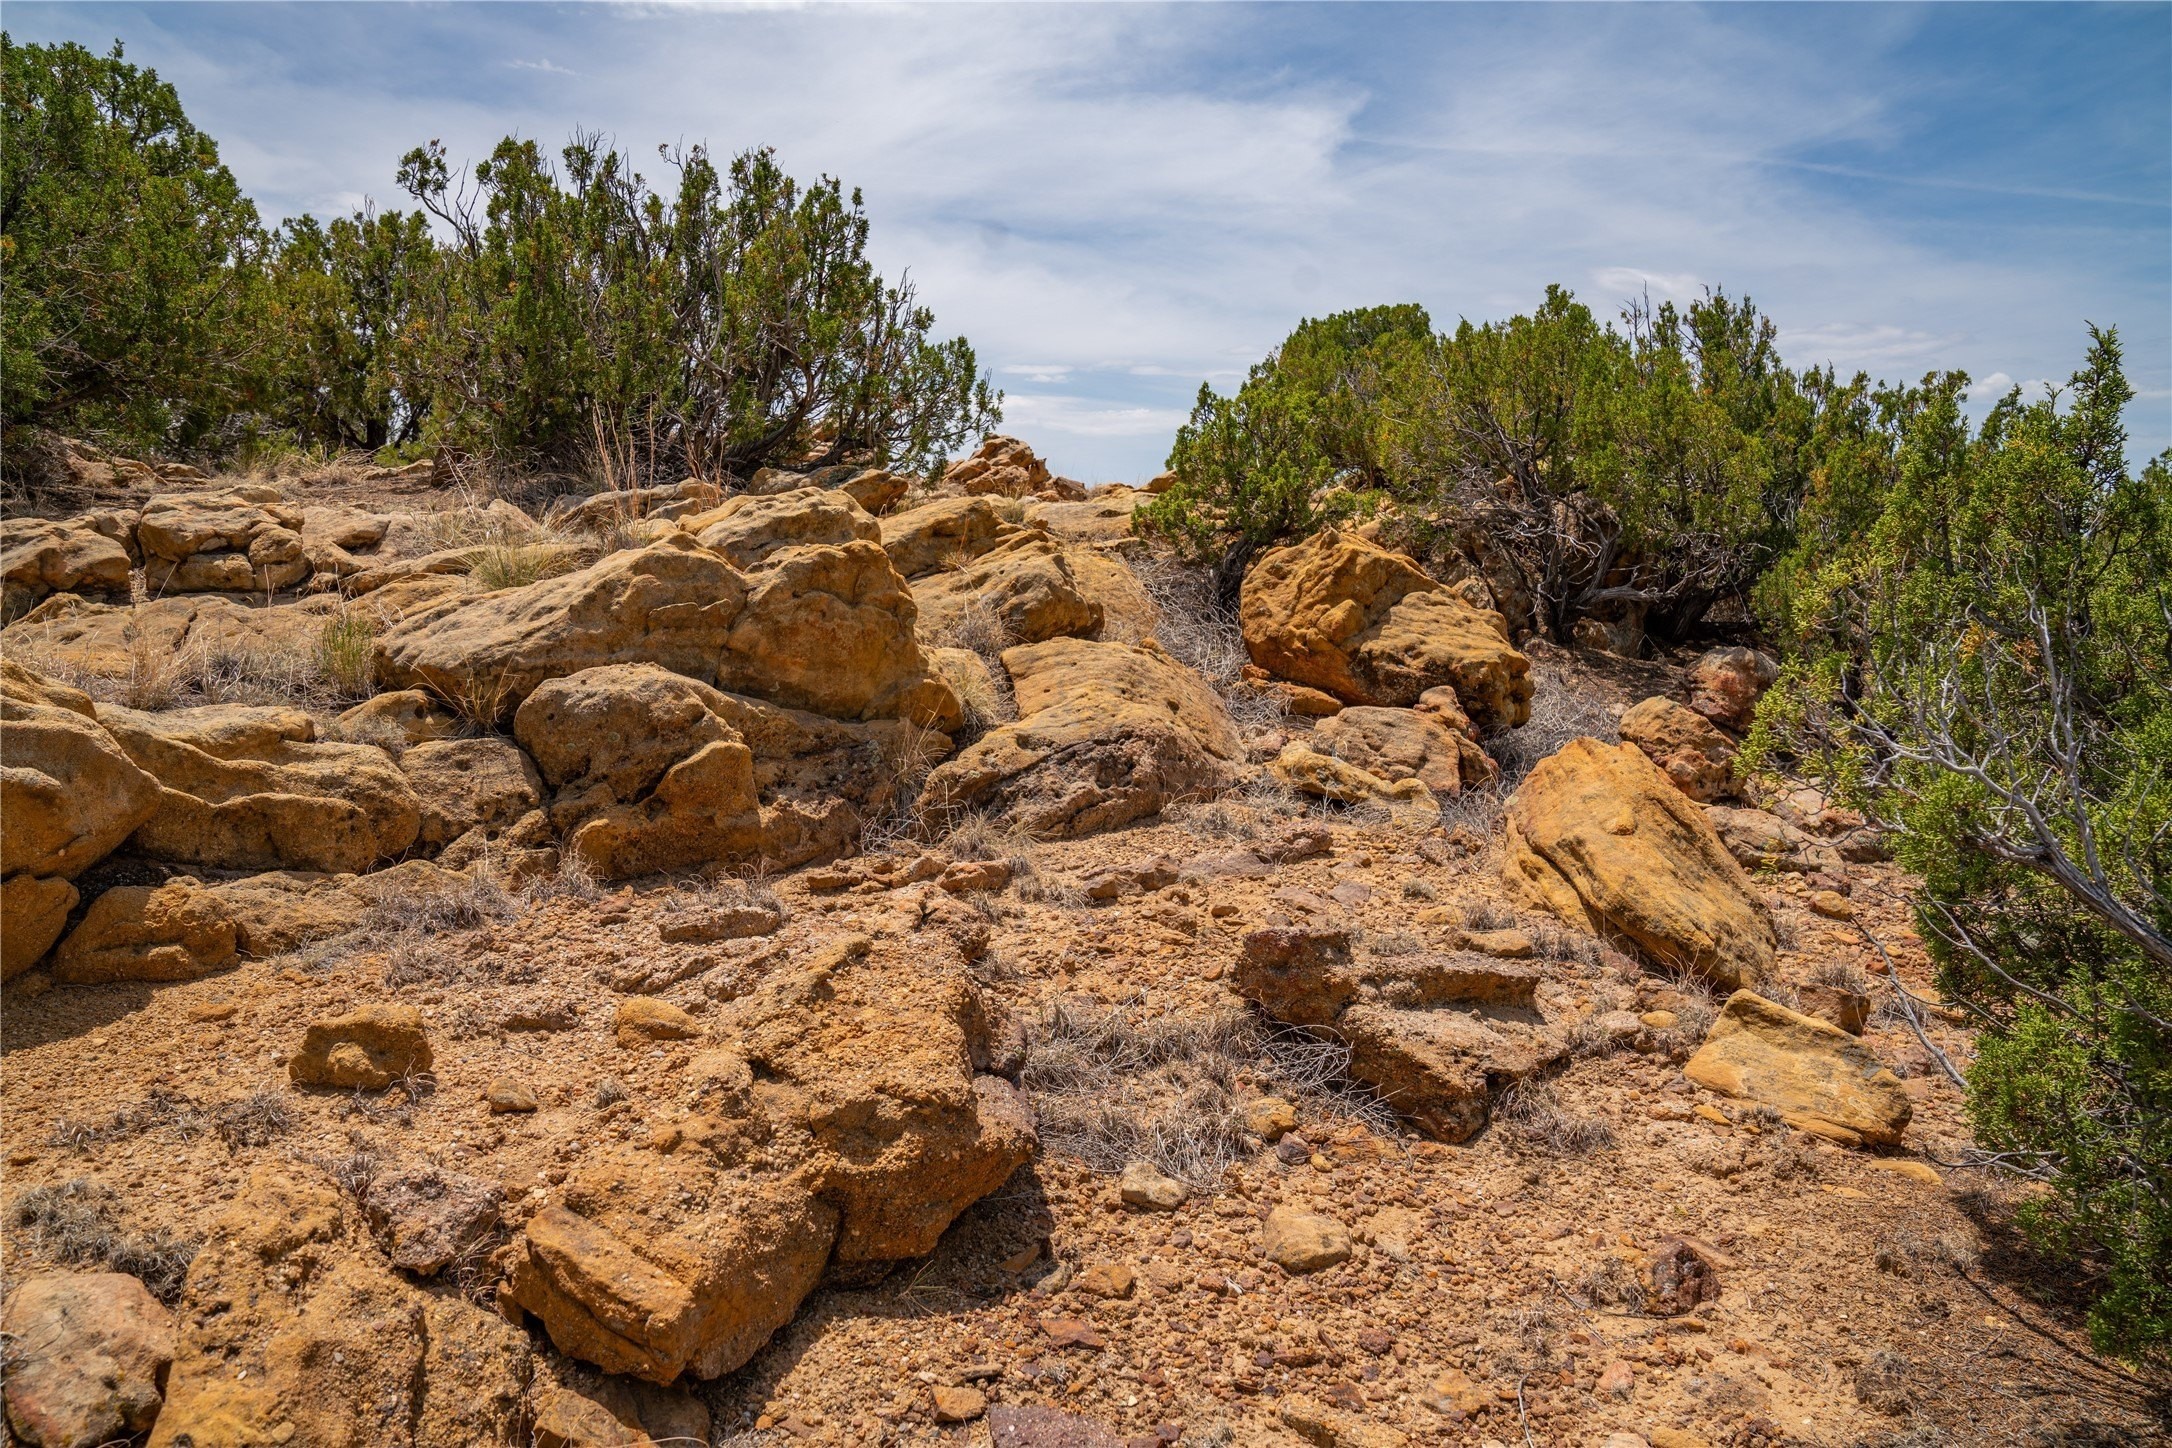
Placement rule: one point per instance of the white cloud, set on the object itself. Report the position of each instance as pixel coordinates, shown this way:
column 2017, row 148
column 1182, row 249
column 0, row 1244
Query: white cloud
column 546, row 65
column 1627, row 282
column 1866, row 345
column 1088, row 417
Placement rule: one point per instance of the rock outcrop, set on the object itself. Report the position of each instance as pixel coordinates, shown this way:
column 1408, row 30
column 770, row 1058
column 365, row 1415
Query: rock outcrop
column 1726, row 683
column 245, row 540
column 1686, row 747
column 839, row 1115
column 293, row 1330
column 1001, row 465
column 69, row 793
column 469, row 784
column 1025, row 584
column 175, row 931
column 1437, row 1036
column 600, row 511
column 1397, row 744
column 1347, row 617
column 947, row 533
column 1816, row 1075
column 248, row 788
column 40, row 557
column 1601, row 838
column 1106, row 734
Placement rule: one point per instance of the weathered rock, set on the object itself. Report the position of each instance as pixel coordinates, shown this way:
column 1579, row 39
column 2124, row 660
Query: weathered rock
column 245, row 540
column 428, row 1218
column 644, row 1020
column 153, row 647
column 1437, row 1036
column 1106, row 734
column 750, row 529
column 1808, row 1070
column 397, row 721
column 468, row 784
column 1398, row 744
column 283, row 910
column 1369, row 627
column 367, row 1049
column 1323, row 776
column 1104, row 516
column 1836, row 1004
column 709, row 925
column 947, row 533
column 1760, row 841
column 177, row 931
column 1014, row 1425
column 856, row 1079
column 1697, row 757
column 822, row 627
column 1726, row 683
column 1001, row 465
column 957, row 1405
column 600, row 511
column 1303, row 1241
column 1601, row 838
column 33, row 913
column 40, row 557
column 1024, row 584
column 1146, row 1185
column 293, row 1331
column 69, row 792
column 614, row 1413
column 248, row 788
column 87, row 1358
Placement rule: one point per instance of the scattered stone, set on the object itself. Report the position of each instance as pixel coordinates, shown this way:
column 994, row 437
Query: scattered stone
column 1269, row 1118
column 87, row 1358
column 1500, row 944
column 1726, row 683
column 968, row 876
column 367, row 1049
column 1146, row 1185
column 1810, row 1071
column 506, row 1096
column 958, row 1405
column 1832, row 905
column 1617, row 1379
column 645, row 1020
column 1106, row 1279
column 1679, row 1274
column 716, row 923
column 1326, row 1427
column 1847, row 1009
column 1303, row 1241
column 429, row 1218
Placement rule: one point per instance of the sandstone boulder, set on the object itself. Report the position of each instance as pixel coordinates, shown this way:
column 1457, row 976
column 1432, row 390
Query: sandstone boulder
column 1001, row 465
column 1106, row 734
column 152, row 646
column 947, row 533
column 872, row 488
column 88, row 1354
column 1761, row 841
column 1438, row 1036
column 1104, row 517
column 428, row 1218
column 397, row 720
column 1726, row 683
column 1697, row 757
column 1398, row 744
column 1302, row 1242
column 1346, row 616
column 366, row 1049
column 283, row 910
column 40, row 557
column 469, row 784
column 1601, row 838
column 1323, row 776
column 1813, row 1073
column 750, row 528
column 245, row 788
column 293, row 1330
column 1025, row 584
column 176, row 931
column 244, row 540
column 33, row 913
column 839, row 1115
column 600, row 511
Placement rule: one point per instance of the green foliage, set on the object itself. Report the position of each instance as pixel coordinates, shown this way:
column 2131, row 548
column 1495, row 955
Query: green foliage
column 735, row 324
column 1981, row 623
column 1296, row 448
column 127, row 253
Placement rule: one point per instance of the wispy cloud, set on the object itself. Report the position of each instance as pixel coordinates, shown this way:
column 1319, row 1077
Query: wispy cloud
column 546, row 66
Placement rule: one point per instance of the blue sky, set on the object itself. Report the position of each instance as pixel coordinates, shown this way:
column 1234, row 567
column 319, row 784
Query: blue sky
column 1115, row 202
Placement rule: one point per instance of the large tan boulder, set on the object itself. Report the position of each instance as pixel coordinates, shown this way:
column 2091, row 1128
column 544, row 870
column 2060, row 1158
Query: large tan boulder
column 1323, row 776
column 246, row 788
column 293, row 1329
column 840, row 1114
column 175, row 931
column 40, row 556
column 87, row 1360
column 1000, row 465
column 1398, row 744
column 244, row 540
column 1343, row 615
column 1438, row 1036
column 1601, row 838
column 1812, row 1072
column 1106, row 734
column 1684, row 744
column 598, row 512
column 749, row 528
column 1726, row 683
column 1025, row 586
column 69, row 795
column 814, row 626
column 469, row 784
column 947, row 533
column 874, row 489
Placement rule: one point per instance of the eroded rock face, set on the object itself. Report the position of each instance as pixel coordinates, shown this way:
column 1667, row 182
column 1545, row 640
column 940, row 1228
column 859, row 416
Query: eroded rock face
column 1346, row 616
column 87, row 1358
column 750, row 528
column 1025, row 583
column 40, row 557
column 469, row 784
column 1001, row 465
column 143, row 643
column 1697, row 757
column 1601, row 838
column 600, row 511
column 293, row 1330
column 244, row 788
column 1397, row 744
column 1106, row 734
column 817, row 626
column 245, row 540
column 1323, row 776
column 176, row 931
column 1726, row 683
column 840, row 1110
column 69, row 795
column 1437, row 1036
column 943, row 534
column 1812, row 1072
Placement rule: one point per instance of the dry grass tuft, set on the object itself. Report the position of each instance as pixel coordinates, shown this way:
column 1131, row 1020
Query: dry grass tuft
column 251, row 1120
column 80, row 1222
column 1531, row 1114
